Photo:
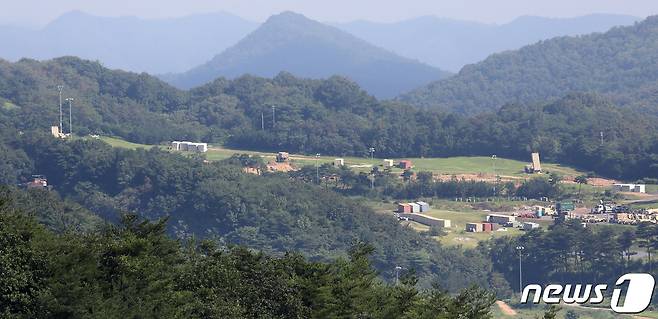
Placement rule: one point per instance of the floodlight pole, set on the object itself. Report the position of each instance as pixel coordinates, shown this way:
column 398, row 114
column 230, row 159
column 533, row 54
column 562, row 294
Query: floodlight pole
column 372, row 155
column 317, row 169
column 397, row 274
column 493, row 163
column 61, row 127
column 70, row 100
column 520, row 250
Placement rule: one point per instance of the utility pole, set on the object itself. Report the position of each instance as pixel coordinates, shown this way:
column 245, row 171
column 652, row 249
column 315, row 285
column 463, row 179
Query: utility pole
column 262, row 121
column 520, row 250
column 372, row 154
column 61, row 127
column 70, row 100
column 493, row 163
column 397, row 274
column 317, row 169
column 273, row 116
column 601, row 134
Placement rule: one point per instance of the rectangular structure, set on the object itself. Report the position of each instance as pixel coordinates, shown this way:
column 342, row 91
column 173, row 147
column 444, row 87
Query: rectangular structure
column 186, row 146
column 404, row 208
column 500, row 219
column 405, row 164
column 635, row 188
column 474, row 227
column 339, row 162
column 536, row 164
column 424, row 207
column 530, row 226
column 388, row 163
column 415, row 208
column 427, row 220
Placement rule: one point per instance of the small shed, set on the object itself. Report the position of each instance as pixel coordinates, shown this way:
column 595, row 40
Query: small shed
column 500, row 219
column 424, row 207
column 404, row 208
column 487, row 227
column 474, row 227
column 339, row 162
column 388, row 163
column 405, row 164
column 415, row 208
column 530, row 226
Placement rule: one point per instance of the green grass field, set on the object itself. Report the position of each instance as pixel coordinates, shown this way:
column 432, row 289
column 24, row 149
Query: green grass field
column 115, row 142
column 450, row 165
column 458, row 236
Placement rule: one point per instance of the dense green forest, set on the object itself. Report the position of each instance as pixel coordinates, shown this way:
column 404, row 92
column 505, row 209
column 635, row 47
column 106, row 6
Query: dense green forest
column 333, row 116
column 134, row 270
column 569, row 253
column 620, row 64
column 273, row 214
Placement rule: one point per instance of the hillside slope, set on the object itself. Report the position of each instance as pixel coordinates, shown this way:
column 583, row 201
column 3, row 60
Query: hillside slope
column 292, row 43
column 333, row 116
column 450, row 44
column 621, row 64
column 128, row 43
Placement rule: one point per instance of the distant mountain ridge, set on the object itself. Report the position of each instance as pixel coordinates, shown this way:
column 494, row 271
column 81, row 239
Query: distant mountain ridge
column 128, row 43
column 621, row 64
column 293, row 43
column 450, row 44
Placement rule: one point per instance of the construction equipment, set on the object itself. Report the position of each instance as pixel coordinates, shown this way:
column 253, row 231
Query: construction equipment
column 535, row 167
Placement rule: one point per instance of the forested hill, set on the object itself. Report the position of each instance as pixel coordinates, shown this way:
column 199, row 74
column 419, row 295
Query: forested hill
column 290, row 42
column 450, row 44
column 333, row 116
column 135, row 106
column 621, row 64
column 273, row 214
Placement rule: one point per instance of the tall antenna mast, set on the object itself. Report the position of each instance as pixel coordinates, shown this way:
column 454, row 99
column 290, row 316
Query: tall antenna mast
column 61, row 127
column 70, row 100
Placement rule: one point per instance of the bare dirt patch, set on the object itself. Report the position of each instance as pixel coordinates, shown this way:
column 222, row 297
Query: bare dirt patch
column 505, row 308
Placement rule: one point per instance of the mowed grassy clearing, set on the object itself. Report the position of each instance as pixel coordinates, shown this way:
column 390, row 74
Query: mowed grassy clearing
column 449, row 165
column 457, row 234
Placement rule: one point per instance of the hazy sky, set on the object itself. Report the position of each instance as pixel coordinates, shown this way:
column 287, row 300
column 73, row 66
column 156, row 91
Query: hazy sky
column 39, row 12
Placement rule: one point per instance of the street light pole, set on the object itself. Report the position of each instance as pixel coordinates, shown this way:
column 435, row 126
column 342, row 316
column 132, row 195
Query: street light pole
column 372, row 181
column 61, row 127
column 70, row 100
column 493, row 163
column 317, row 169
column 520, row 250
column 273, row 116
column 397, row 274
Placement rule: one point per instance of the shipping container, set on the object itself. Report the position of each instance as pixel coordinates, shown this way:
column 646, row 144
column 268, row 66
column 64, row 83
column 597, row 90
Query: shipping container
column 405, row 164
column 424, row 207
column 474, row 227
column 404, row 208
column 500, row 219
